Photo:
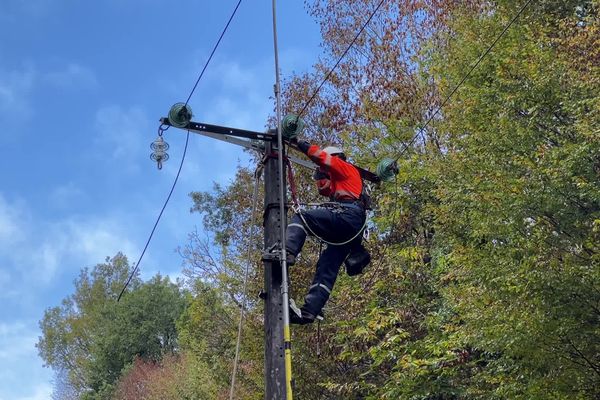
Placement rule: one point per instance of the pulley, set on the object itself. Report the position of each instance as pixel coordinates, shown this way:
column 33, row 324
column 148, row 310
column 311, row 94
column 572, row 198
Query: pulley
column 159, row 151
column 387, row 169
column 291, row 126
column 180, row 115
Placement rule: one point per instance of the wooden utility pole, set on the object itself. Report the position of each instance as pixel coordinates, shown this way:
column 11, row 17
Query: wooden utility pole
column 275, row 379
column 266, row 143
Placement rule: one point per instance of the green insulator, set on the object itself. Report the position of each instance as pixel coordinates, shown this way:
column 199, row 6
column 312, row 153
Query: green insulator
column 180, row 115
column 387, row 169
column 291, row 126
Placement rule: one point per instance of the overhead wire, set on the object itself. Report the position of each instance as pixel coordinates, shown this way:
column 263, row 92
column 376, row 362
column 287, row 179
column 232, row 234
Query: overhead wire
column 340, row 59
column 157, row 219
column 184, row 150
column 464, row 78
column 214, row 49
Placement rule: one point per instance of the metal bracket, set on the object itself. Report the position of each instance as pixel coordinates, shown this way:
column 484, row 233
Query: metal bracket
column 272, row 253
column 232, row 135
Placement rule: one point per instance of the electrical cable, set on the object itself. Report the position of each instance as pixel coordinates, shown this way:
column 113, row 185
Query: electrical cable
column 187, row 139
column 184, row 151
column 213, row 50
column 438, row 109
column 257, row 174
column 339, row 60
column 464, row 78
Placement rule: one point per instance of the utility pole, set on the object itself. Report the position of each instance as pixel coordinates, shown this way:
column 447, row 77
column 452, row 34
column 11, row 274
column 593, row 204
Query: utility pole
column 275, row 379
column 266, row 143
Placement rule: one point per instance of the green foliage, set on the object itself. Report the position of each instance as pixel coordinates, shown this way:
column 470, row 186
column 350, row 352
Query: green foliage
column 519, row 193
column 485, row 279
column 488, row 283
column 92, row 337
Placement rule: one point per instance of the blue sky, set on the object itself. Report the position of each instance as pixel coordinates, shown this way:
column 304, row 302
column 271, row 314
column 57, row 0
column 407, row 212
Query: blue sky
column 82, row 86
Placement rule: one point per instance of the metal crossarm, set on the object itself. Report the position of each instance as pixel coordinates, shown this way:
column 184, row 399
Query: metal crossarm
column 232, row 135
column 200, row 127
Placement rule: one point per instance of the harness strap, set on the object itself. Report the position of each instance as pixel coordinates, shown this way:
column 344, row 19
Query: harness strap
column 298, row 226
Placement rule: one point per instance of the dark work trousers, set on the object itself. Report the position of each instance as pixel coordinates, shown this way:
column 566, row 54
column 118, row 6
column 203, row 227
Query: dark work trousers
column 335, row 225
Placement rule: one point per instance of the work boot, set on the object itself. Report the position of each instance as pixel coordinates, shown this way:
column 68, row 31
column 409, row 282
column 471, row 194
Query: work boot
column 301, row 316
column 304, row 318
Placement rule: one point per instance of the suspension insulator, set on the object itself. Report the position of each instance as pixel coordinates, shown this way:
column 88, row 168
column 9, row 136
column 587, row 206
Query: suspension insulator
column 387, row 169
column 159, row 151
column 180, row 115
column 291, row 126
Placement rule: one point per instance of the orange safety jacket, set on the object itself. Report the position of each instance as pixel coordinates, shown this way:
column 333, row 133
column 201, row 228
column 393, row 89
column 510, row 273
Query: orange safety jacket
column 345, row 182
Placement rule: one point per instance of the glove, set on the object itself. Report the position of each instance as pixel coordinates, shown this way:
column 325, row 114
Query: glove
column 318, row 175
column 303, row 146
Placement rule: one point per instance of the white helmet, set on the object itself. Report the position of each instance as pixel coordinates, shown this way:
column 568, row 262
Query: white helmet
column 332, row 150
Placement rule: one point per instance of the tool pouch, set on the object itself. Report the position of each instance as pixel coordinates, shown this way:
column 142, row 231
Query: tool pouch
column 357, row 260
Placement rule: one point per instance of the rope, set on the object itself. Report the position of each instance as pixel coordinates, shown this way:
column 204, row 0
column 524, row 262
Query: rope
column 360, row 231
column 257, row 174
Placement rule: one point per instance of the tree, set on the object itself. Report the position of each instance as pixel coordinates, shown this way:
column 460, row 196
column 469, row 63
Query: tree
column 93, row 337
column 519, row 199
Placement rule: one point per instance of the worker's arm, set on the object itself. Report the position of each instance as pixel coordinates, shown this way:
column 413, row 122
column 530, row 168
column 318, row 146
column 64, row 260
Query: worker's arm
column 323, row 182
column 334, row 165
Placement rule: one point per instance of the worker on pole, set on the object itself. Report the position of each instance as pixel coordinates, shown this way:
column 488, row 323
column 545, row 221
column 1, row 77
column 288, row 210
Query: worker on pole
column 339, row 223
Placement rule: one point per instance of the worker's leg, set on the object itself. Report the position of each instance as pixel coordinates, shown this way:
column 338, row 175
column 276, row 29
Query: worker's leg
column 328, row 267
column 337, row 227
column 344, row 225
column 297, row 229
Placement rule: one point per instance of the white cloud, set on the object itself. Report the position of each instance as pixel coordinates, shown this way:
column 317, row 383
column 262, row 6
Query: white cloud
column 17, row 350
column 73, row 75
column 65, row 195
column 40, row 392
column 15, row 88
column 16, row 341
column 244, row 100
column 35, row 250
column 11, row 229
column 79, row 242
column 122, row 132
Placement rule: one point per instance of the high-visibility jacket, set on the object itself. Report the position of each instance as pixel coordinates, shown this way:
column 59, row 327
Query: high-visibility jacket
column 344, row 181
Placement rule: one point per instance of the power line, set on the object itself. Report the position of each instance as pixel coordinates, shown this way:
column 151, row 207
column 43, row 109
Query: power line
column 184, row 150
column 340, row 59
column 213, row 50
column 438, row 109
column 137, row 265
